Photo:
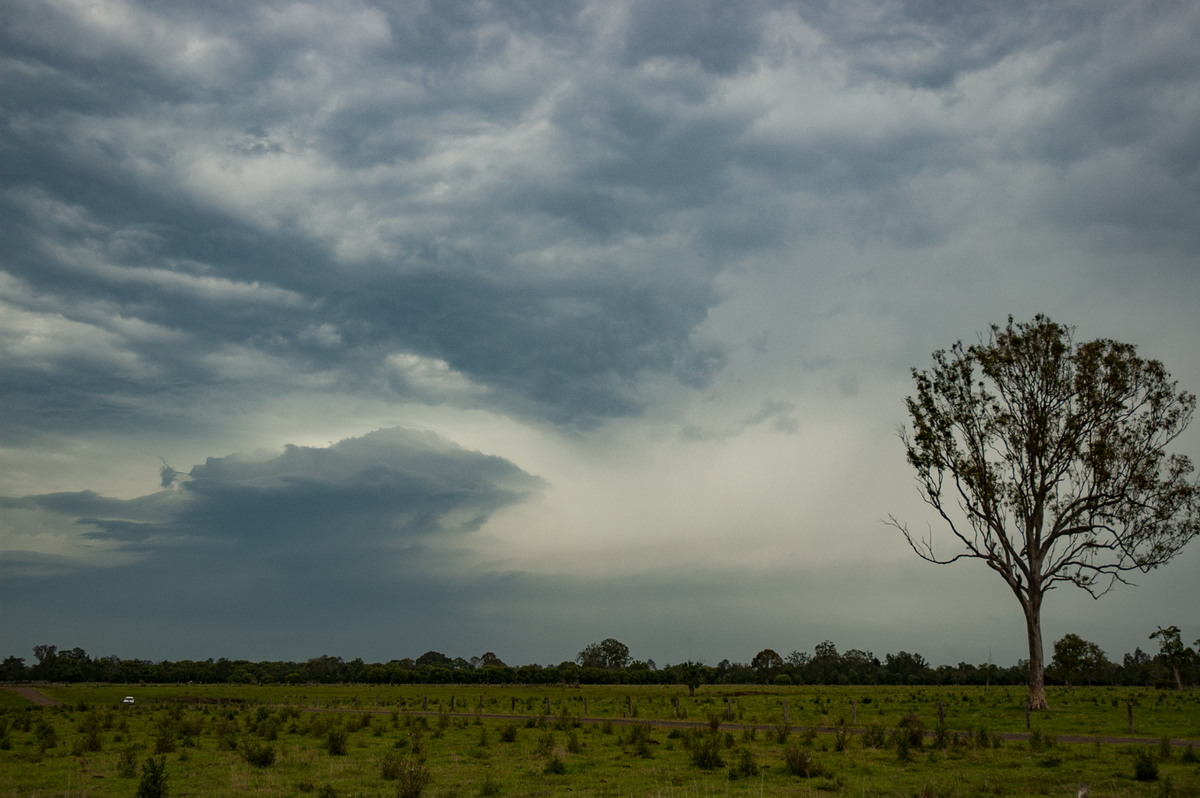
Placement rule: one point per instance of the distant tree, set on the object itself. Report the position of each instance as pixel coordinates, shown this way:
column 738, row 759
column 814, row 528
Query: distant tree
column 326, row 668
column 608, row 654
column 1172, row 651
column 1076, row 659
column 71, row 665
column 45, row 656
column 435, row 658
column 690, row 674
column 859, row 667
column 490, row 660
column 1047, row 461
column 824, row 667
column 905, row 668
column 766, row 664
column 13, row 669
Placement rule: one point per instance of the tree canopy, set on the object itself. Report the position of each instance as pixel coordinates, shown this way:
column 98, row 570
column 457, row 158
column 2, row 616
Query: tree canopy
column 1047, row 460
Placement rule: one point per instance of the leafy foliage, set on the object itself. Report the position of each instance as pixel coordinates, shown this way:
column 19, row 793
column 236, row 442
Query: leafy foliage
column 1047, row 461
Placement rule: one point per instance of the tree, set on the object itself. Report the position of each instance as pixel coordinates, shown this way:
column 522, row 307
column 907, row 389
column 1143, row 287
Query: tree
column 905, row 668
column 767, row 663
column 609, row 654
column 435, row 659
column 1047, row 461
column 1172, row 651
column 1076, row 659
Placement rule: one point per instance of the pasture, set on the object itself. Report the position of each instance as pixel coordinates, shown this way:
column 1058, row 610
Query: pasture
column 446, row 741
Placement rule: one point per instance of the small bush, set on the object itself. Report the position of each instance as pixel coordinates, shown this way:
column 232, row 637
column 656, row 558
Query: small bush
column 1039, row 741
column 639, row 738
column 913, row 728
column 166, row 739
column 327, row 791
column 412, row 779
column 706, row 752
column 508, row 734
column 489, row 788
column 1189, row 756
column 746, row 766
column 47, row 737
column 127, row 764
column 799, row 761
column 154, row 778
column 1145, row 765
column 545, row 744
column 260, row 755
column 335, row 741
column 555, row 766
column 874, row 736
column 392, row 763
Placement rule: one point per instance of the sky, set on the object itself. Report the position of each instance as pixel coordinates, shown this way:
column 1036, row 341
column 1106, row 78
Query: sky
column 368, row 329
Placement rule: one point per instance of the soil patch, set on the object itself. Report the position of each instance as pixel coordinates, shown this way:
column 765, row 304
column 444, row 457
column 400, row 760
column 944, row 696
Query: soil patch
column 36, row 696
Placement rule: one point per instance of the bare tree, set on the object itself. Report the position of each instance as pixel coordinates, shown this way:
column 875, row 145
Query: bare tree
column 1047, row 461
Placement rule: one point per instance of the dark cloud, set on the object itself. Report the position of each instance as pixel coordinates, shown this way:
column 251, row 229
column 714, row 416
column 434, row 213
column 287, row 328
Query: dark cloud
column 364, row 518
column 577, row 216
column 721, row 37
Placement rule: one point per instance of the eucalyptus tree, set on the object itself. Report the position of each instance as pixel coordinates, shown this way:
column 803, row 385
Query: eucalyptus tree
column 1047, row 460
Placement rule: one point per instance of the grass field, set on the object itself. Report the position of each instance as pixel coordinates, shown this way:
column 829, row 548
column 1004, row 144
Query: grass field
column 444, row 741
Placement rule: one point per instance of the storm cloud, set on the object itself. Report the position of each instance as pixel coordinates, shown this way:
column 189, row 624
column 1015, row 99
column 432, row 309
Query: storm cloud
column 524, row 315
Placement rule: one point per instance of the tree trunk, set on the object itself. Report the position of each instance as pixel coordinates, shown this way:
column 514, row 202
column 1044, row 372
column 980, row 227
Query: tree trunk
column 1037, row 665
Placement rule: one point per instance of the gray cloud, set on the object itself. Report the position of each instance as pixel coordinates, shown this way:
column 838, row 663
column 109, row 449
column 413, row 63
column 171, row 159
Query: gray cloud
column 567, row 233
column 310, row 526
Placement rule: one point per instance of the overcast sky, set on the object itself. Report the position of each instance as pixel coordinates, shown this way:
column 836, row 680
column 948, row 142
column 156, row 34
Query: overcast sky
column 366, row 329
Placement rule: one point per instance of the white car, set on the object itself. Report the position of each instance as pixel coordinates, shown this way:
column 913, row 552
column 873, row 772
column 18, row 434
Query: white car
column 127, row 699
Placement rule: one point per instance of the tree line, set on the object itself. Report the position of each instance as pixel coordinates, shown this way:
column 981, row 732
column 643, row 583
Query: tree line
column 1075, row 662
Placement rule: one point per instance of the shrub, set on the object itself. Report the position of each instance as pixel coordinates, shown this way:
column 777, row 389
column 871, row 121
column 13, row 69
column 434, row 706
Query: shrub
column 335, row 741
column 489, row 788
column 913, row 728
column 165, row 740
column 1039, row 741
column 412, row 779
column 508, row 734
column 706, row 752
column 127, row 764
column 555, row 766
column 1145, row 766
column 798, row 761
column 783, row 730
column 391, row 765
column 874, row 736
column 746, row 765
column 545, row 744
column 639, row 738
column 47, row 738
column 154, row 779
column 260, row 755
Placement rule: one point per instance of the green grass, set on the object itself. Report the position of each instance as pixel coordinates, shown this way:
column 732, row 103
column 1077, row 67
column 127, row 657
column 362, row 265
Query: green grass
column 207, row 746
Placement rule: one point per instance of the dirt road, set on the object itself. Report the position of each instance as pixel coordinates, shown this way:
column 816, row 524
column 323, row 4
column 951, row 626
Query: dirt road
column 36, row 696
